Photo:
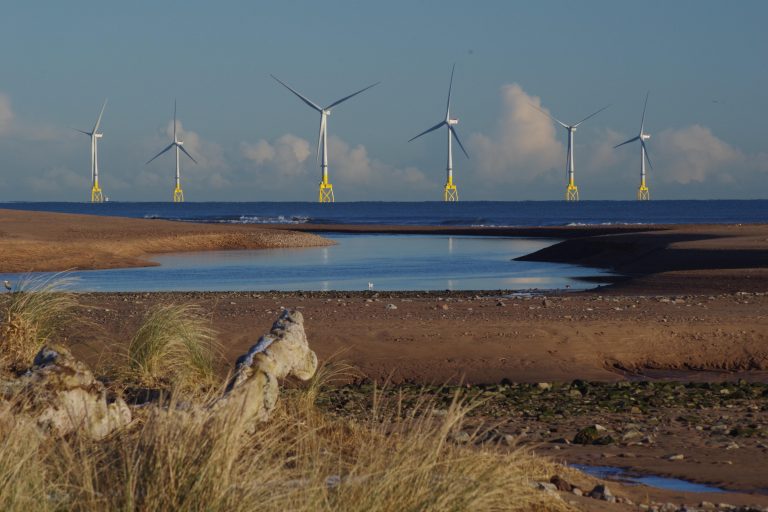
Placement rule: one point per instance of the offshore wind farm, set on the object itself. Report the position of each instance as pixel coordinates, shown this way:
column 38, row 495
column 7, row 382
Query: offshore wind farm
column 229, row 307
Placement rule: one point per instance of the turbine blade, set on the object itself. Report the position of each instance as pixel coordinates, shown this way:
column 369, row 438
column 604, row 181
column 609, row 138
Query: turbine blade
column 646, row 154
column 98, row 121
column 549, row 115
column 174, row 119
column 642, row 120
column 303, row 98
column 591, row 115
column 186, row 152
column 633, row 139
column 450, row 86
column 320, row 136
column 456, row 136
column 169, row 146
column 438, row 125
column 345, row 98
column 81, row 131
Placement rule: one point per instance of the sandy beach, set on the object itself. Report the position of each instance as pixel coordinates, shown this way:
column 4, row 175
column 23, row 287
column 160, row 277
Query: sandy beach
column 692, row 307
column 40, row 241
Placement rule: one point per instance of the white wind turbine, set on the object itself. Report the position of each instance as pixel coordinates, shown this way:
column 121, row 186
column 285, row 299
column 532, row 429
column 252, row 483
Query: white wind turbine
column 572, row 191
column 449, row 192
column 178, row 144
column 643, row 194
column 325, row 194
column 96, row 194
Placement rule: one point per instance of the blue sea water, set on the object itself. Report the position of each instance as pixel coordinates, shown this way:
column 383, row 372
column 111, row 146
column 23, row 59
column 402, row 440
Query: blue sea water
column 468, row 213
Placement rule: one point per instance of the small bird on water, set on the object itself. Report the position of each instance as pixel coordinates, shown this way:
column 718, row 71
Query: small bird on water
column 7, row 285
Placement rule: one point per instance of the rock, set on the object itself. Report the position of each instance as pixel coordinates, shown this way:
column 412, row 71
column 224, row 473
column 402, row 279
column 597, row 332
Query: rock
column 602, row 492
column 631, row 435
column 391, row 306
column 675, row 456
column 546, row 303
column 544, row 386
column 594, row 434
column 253, row 390
column 444, row 307
column 561, row 484
column 732, row 446
column 546, row 486
column 62, row 396
column 577, row 491
column 707, row 505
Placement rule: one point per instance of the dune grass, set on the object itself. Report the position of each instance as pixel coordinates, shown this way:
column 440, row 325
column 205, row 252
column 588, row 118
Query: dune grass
column 175, row 345
column 31, row 314
column 302, row 459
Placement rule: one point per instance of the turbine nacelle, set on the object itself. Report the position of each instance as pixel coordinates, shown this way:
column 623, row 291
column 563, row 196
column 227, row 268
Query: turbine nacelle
column 452, row 122
column 645, row 136
column 97, row 135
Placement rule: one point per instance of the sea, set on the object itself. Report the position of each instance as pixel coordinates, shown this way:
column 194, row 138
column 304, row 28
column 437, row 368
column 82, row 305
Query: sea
column 383, row 262
column 467, row 213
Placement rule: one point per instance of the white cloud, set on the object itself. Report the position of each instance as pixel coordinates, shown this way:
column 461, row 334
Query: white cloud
column 525, row 145
column 694, row 154
column 289, row 161
column 57, row 179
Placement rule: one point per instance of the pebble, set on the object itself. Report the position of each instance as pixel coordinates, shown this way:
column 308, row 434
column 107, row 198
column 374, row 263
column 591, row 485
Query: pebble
column 676, row 456
column 391, row 306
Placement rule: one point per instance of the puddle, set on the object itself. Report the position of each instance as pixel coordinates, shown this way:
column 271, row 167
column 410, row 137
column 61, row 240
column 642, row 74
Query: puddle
column 660, row 482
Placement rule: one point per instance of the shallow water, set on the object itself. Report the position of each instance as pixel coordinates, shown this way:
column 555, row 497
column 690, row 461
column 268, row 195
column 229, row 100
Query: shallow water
column 660, row 482
column 390, row 262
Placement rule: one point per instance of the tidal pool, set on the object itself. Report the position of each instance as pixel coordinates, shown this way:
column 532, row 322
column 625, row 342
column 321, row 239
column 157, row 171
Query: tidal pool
column 388, row 262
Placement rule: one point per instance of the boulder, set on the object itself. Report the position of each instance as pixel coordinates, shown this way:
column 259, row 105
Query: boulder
column 253, row 389
column 61, row 395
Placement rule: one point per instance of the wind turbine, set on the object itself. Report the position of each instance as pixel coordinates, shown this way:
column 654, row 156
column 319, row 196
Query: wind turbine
column 325, row 194
column 96, row 195
column 178, row 144
column 643, row 193
column 572, row 192
column 449, row 192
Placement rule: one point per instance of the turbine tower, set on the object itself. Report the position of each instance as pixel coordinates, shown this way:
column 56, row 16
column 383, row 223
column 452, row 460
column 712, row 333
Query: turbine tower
column 96, row 195
column 572, row 191
column 178, row 144
column 643, row 193
column 325, row 194
column 449, row 191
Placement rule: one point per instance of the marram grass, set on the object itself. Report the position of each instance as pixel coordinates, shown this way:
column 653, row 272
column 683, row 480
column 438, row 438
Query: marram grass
column 302, row 459
column 31, row 313
column 175, row 345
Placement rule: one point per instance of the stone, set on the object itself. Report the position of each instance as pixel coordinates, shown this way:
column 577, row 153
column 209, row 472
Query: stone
column 253, row 389
column 602, row 492
column 631, row 435
column 675, row 456
column 546, row 486
column 561, row 484
column 594, row 434
column 62, row 396
column 391, row 306
column 544, row 386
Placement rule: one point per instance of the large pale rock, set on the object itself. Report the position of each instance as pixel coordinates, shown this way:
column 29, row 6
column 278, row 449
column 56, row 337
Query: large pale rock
column 61, row 394
column 253, row 389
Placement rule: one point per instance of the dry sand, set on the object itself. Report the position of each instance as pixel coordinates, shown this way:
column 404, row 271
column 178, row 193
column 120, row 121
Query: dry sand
column 40, row 241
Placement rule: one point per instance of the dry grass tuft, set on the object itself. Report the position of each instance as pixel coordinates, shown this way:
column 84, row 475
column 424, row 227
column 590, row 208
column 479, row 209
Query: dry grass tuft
column 302, row 459
column 174, row 346
column 32, row 313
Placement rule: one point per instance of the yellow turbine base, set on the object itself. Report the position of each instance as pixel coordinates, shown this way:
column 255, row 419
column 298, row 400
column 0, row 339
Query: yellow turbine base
column 450, row 194
column 178, row 195
column 572, row 193
column 643, row 194
column 96, row 195
column 325, row 193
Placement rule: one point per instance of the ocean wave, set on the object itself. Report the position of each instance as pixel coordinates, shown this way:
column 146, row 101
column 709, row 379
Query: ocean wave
column 256, row 219
column 575, row 224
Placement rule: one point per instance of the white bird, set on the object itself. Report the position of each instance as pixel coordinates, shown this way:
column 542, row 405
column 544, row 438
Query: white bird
column 7, row 285
column 370, row 285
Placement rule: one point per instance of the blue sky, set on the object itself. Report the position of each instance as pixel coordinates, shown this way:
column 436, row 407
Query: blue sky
column 703, row 61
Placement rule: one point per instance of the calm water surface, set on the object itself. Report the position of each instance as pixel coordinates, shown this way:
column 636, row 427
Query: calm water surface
column 390, row 262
